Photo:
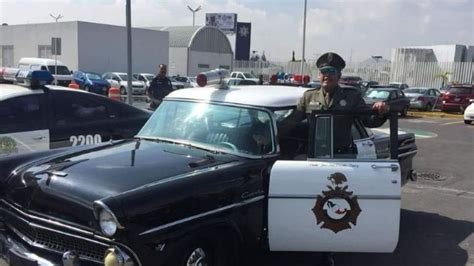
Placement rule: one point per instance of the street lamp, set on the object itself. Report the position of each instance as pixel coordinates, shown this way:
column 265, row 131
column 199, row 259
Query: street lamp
column 377, row 58
column 56, row 18
column 194, row 11
column 304, row 38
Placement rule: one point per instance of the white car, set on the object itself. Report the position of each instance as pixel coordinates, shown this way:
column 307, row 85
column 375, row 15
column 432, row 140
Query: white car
column 145, row 77
column 138, row 87
column 469, row 113
column 244, row 75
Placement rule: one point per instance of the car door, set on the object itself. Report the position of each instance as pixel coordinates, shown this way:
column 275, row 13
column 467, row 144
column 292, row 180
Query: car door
column 79, row 119
column 23, row 125
column 329, row 204
column 365, row 144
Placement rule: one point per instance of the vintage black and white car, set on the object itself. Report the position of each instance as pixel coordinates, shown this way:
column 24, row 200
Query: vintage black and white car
column 206, row 179
column 42, row 117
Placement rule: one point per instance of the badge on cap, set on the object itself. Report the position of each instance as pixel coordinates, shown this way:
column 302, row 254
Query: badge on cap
column 342, row 102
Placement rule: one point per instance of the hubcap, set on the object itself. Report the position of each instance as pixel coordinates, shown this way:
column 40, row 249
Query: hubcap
column 197, row 258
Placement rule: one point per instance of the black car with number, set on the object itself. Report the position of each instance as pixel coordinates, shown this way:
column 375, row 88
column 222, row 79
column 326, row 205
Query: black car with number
column 46, row 117
column 206, row 179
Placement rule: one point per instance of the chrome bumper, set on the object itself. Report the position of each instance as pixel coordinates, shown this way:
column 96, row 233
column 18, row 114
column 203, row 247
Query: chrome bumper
column 15, row 253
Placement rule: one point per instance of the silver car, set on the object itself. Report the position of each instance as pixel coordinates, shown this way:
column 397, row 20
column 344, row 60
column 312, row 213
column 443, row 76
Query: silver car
column 423, row 98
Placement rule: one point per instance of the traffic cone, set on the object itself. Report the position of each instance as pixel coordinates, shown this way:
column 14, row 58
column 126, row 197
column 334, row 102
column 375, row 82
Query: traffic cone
column 73, row 85
column 114, row 93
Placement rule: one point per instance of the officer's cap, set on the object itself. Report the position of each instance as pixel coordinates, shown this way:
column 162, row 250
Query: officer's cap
column 331, row 59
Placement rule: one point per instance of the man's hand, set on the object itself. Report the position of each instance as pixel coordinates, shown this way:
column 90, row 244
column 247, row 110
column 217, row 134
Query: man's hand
column 381, row 107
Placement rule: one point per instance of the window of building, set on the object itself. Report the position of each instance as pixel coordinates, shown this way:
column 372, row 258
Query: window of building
column 6, row 52
column 224, row 67
column 44, row 51
column 203, row 66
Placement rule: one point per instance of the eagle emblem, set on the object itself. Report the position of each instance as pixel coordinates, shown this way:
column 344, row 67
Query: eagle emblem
column 337, row 209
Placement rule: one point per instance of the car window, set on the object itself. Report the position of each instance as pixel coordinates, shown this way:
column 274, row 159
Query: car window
column 240, row 76
column 392, row 96
column 376, row 94
column 73, row 108
column 22, row 113
column 62, row 70
column 249, row 76
column 233, row 75
column 400, row 94
column 458, row 90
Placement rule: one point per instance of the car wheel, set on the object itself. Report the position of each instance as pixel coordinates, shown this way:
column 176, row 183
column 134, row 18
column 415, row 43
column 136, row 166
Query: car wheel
column 428, row 107
column 86, row 88
column 404, row 111
column 462, row 109
column 123, row 91
column 467, row 122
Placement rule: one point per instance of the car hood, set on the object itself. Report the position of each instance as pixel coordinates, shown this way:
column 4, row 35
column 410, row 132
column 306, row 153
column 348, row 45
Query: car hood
column 413, row 95
column 69, row 183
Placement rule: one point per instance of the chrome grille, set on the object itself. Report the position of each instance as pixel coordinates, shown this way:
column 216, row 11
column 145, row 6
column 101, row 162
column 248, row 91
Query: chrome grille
column 55, row 240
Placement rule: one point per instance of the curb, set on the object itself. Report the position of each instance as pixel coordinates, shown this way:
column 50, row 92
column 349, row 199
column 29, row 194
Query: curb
column 435, row 114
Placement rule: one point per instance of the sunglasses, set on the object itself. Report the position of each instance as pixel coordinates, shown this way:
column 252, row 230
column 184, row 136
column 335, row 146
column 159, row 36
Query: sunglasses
column 328, row 71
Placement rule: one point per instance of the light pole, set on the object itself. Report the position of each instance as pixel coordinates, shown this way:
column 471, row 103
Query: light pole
column 377, row 70
column 304, row 38
column 194, row 11
column 56, row 18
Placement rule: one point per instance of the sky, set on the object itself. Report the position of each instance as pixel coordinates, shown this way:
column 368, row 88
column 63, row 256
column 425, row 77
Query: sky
column 356, row 29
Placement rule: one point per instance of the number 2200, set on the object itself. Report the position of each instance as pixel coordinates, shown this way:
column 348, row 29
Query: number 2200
column 85, row 139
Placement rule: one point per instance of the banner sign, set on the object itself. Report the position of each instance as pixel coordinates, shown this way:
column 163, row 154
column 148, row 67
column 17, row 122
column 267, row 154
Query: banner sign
column 226, row 22
column 242, row 41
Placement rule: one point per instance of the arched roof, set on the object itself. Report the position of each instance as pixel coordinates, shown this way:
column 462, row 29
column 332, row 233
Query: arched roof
column 199, row 38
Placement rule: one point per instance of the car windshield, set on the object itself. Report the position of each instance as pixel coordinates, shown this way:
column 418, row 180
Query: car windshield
column 124, row 77
column 415, row 90
column 376, row 94
column 238, row 130
column 460, row 90
column 249, row 76
column 93, row 76
column 62, row 70
column 181, row 79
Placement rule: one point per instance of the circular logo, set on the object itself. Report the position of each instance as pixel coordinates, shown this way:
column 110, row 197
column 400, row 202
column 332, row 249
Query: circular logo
column 342, row 102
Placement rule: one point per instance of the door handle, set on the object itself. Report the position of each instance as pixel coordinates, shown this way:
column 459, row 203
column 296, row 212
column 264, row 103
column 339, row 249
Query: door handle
column 394, row 167
column 39, row 137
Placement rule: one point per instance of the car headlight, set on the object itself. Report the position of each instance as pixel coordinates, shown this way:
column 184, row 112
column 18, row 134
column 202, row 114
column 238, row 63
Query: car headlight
column 107, row 222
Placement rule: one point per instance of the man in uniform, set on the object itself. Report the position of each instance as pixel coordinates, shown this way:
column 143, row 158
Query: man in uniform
column 332, row 97
column 160, row 86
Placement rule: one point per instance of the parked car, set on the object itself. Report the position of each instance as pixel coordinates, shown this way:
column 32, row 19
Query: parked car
column 457, row 98
column 47, row 117
column 204, row 181
column 350, row 80
column 179, row 82
column 237, row 81
column 63, row 76
column 395, row 97
column 138, row 87
column 398, row 85
column 244, row 75
column 91, row 82
column 423, row 98
column 469, row 113
column 8, row 74
column 144, row 77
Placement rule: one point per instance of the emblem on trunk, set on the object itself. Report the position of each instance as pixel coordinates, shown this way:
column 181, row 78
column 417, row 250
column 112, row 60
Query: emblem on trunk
column 338, row 209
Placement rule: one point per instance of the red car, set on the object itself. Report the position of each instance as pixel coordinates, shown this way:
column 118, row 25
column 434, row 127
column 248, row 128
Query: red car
column 456, row 99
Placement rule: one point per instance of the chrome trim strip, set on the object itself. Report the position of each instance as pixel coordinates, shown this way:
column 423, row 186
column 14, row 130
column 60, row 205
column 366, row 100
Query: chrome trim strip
column 56, row 223
column 407, row 154
column 197, row 216
column 305, row 196
column 107, row 209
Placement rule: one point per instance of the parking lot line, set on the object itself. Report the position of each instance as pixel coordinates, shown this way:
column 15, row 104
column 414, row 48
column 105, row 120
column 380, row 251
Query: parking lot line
column 452, row 123
column 443, row 190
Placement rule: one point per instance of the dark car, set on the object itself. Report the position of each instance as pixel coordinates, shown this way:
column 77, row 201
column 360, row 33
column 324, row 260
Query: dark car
column 350, row 80
column 456, row 99
column 395, row 97
column 47, row 117
column 423, row 98
column 91, row 82
column 206, row 180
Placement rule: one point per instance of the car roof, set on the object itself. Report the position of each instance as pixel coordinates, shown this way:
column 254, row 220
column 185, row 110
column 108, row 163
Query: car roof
column 8, row 91
column 257, row 95
column 385, row 89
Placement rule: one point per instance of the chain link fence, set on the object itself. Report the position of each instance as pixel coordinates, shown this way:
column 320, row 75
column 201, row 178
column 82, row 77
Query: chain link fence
column 426, row 74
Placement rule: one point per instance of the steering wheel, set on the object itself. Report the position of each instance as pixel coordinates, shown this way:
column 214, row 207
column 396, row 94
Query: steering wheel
column 228, row 145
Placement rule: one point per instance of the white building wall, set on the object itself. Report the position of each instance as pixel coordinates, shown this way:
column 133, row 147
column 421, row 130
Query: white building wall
column 212, row 60
column 178, row 61
column 26, row 38
column 103, row 48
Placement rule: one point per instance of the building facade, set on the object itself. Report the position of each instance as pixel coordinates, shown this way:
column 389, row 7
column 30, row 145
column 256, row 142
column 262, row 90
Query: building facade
column 194, row 49
column 85, row 46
